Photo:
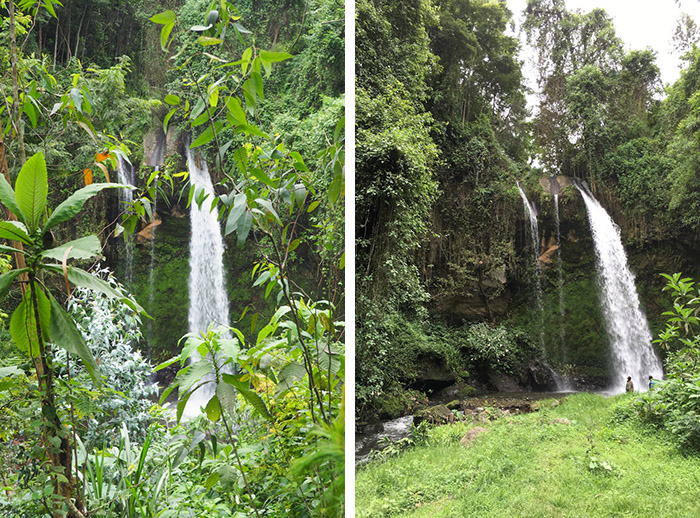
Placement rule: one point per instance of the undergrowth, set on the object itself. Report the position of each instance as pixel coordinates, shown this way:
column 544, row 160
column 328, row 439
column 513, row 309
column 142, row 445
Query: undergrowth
column 589, row 456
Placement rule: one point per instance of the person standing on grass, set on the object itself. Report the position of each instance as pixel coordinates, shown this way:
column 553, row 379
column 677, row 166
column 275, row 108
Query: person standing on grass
column 651, row 382
column 630, row 386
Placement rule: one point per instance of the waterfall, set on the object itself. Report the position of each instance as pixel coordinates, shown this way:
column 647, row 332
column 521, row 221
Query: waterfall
column 125, row 172
column 531, row 212
column 207, row 288
column 628, row 332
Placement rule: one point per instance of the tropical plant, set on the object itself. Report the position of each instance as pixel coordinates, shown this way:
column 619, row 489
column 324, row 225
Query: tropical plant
column 112, row 332
column 290, row 374
column 40, row 325
column 675, row 402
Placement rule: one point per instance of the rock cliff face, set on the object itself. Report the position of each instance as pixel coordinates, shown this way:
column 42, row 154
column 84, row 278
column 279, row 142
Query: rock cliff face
column 479, row 267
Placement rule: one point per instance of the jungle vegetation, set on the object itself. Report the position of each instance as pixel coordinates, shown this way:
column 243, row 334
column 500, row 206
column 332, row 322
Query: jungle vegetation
column 83, row 430
column 444, row 132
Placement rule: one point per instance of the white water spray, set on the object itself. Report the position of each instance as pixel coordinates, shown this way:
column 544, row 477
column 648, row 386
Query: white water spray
column 207, row 288
column 531, row 212
column 628, row 332
column 125, row 172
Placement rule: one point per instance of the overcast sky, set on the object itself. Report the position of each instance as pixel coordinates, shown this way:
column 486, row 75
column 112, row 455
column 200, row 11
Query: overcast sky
column 638, row 23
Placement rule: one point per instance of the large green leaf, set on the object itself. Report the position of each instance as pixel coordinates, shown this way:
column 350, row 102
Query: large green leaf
column 72, row 205
column 207, row 135
column 227, row 397
column 10, row 371
column 14, row 230
column 288, row 375
column 83, row 248
column 31, row 190
column 66, row 335
column 7, row 197
column 239, row 208
column 213, row 409
column 251, row 396
column 274, row 57
column 163, row 18
column 6, row 280
column 9, row 249
column 193, row 375
column 244, row 224
column 23, row 323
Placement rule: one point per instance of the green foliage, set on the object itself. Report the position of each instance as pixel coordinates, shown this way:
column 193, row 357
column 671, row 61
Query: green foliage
column 287, row 377
column 395, row 191
column 283, row 453
column 112, row 332
column 497, row 347
column 675, row 403
column 39, row 323
column 440, row 126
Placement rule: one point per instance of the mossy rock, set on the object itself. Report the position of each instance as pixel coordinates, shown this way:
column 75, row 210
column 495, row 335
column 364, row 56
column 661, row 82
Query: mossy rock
column 438, row 414
column 466, row 391
column 399, row 403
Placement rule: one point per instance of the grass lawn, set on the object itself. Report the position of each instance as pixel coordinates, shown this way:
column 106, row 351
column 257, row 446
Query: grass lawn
column 604, row 463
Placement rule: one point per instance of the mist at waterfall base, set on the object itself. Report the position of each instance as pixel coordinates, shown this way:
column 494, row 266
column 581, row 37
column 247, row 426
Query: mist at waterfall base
column 630, row 339
column 207, row 289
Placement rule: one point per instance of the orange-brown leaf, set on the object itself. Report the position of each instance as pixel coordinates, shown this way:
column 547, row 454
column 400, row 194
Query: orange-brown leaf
column 87, row 175
column 101, row 157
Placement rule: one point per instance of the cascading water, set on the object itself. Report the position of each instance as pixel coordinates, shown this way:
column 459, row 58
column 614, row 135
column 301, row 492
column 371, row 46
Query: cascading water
column 208, row 298
column 534, row 235
column 628, row 332
column 125, row 172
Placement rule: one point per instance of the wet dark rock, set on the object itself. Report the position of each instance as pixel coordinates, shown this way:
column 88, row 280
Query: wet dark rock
column 454, row 405
column 540, row 377
column 504, row 382
column 397, row 404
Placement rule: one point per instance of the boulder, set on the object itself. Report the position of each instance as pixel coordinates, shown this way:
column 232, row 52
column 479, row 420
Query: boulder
column 154, row 144
column 540, row 377
column 454, row 405
column 438, row 414
column 504, row 382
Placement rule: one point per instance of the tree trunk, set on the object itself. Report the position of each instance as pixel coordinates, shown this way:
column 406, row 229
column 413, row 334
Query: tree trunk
column 60, row 456
column 55, row 43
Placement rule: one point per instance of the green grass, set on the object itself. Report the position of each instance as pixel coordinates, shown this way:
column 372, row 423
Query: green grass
column 602, row 464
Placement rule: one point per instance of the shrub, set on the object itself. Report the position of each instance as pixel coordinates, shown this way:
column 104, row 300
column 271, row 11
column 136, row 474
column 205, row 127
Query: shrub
column 112, row 333
column 675, row 404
